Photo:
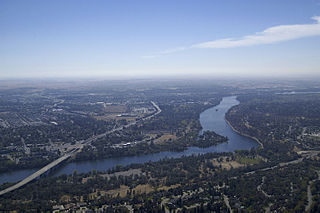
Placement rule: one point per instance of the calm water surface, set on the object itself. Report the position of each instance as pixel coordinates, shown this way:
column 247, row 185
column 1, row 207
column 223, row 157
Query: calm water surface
column 210, row 119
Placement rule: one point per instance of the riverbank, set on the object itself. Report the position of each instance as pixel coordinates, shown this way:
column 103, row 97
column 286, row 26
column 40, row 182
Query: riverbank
column 243, row 134
column 211, row 119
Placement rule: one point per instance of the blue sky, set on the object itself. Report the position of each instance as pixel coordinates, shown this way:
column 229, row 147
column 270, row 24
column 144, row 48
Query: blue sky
column 229, row 38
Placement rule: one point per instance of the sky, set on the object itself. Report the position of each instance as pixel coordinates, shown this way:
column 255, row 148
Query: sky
column 125, row 38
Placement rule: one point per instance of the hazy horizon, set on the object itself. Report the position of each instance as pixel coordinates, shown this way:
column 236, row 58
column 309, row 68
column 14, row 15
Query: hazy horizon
column 167, row 39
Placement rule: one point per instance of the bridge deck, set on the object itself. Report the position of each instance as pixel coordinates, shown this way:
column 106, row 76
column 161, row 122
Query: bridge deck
column 35, row 175
column 66, row 156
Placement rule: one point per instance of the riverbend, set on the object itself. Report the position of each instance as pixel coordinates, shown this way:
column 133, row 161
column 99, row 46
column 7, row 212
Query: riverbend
column 211, row 119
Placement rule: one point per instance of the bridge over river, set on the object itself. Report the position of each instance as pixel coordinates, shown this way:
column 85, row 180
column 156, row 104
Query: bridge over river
column 37, row 174
column 80, row 145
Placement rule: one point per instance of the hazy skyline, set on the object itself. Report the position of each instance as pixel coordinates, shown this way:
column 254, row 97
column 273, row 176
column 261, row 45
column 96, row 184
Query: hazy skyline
column 109, row 39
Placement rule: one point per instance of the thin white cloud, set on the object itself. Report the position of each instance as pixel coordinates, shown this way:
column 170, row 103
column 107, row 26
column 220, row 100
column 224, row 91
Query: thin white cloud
column 166, row 52
column 268, row 36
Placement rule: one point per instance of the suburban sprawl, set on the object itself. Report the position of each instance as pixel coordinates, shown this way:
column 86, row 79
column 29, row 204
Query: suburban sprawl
column 54, row 124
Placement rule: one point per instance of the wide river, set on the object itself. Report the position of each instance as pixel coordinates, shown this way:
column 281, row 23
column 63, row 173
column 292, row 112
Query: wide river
column 210, row 119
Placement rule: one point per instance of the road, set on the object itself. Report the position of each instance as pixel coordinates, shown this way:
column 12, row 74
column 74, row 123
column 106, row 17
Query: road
column 226, row 201
column 163, row 204
column 308, row 206
column 78, row 148
column 81, row 144
column 36, row 174
column 310, row 154
column 259, row 188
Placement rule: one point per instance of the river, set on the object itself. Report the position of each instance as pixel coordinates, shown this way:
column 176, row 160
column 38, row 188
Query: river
column 210, row 119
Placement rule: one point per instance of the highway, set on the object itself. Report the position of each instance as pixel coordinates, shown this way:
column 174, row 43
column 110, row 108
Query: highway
column 36, row 174
column 80, row 145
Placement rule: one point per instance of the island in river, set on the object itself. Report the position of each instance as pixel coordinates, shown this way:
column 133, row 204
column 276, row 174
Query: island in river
column 212, row 119
column 256, row 180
